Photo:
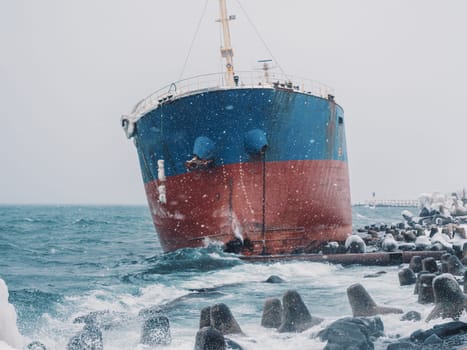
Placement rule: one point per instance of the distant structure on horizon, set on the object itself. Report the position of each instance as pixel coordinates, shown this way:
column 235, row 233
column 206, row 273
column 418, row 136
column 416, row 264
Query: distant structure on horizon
column 389, row 203
column 448, row 200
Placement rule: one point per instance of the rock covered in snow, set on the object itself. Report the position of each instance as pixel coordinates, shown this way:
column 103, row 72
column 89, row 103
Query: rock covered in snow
column 443, row 331
column 389, row 244
column 442, row 239
column 422, row 242
column 331, row 248
column 352, row 333
column 355, row 244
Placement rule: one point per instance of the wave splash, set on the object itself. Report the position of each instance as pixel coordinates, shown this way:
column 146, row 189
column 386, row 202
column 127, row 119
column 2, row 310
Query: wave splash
column 9, row 332
column 186, row 260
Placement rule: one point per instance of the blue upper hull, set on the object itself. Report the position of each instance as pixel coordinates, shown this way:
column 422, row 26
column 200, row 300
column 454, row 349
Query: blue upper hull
column 227, row 124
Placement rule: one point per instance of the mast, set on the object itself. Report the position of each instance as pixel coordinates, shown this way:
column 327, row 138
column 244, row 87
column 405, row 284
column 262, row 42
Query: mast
column 226, row 50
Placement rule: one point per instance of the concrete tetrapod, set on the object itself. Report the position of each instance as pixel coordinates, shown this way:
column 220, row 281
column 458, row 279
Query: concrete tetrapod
column 449, row 298
column 362, row 303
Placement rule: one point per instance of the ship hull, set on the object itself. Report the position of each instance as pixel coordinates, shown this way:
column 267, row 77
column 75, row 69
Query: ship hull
column 300, row 209
column 270, row 171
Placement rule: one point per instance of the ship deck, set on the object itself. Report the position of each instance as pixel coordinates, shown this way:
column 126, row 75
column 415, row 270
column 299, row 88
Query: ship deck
column 216, row 81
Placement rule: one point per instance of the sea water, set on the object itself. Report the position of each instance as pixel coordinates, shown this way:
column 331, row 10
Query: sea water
column 61, row 262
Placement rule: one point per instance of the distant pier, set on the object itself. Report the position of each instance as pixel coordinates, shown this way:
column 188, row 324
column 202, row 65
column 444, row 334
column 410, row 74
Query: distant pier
column 389, row 203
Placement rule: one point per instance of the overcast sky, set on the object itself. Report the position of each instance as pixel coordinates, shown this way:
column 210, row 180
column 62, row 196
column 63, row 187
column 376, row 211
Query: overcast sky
column 70, row 69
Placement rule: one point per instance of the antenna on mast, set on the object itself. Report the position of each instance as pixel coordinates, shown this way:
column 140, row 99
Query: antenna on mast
column 265, row 69
column 226, row 50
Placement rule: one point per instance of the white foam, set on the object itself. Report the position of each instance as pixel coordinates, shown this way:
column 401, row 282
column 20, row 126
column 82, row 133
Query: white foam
column 262, row 338
column 292, row 271
column 9, row 333
column 156, row 294
column 322, row 286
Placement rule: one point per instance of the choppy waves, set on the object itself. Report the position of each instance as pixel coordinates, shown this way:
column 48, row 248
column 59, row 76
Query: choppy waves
column 191, row 260
column 70, row 263
column 184, row 262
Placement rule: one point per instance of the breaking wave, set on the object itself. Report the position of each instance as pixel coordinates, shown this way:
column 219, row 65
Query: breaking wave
column 187, row 260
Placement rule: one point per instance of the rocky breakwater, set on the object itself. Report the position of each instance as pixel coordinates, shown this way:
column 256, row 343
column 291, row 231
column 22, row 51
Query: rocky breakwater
column 444, row 291
column 440, row 225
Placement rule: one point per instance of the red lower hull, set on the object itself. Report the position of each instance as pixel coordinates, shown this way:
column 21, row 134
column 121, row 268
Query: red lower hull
column 281, row 207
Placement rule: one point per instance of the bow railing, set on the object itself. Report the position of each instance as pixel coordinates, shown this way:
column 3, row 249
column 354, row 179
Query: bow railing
column 216, row 81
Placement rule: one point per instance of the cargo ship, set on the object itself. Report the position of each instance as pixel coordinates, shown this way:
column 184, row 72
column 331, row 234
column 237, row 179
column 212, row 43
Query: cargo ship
column 256, row 161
